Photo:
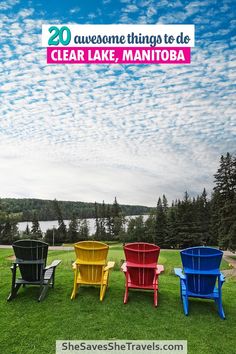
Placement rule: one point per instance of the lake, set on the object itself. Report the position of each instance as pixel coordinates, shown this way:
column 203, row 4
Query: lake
column 45, row 225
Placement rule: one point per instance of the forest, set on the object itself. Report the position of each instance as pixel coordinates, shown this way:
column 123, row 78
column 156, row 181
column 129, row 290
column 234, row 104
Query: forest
column 200, row 220
column 25, row 209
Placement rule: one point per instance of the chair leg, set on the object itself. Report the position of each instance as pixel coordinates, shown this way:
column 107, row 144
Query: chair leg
column 220, row 308
column 185, row 304
column 126, row 294
column 155, row 298
column 13, row 292
column 74, row 291
column 102, row 291
column 43, row 292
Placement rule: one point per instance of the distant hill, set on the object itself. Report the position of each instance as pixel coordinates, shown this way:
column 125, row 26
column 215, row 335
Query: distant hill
column 24, row 209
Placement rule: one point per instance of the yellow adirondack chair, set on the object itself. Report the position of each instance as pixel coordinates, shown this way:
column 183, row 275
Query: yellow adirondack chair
column 91, row 267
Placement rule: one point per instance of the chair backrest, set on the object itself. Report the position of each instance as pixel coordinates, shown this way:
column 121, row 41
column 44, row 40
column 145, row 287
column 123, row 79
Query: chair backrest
column 141, row 253
column 31, row 250
column 201, row 264
column 141, row 260
column 92, row 257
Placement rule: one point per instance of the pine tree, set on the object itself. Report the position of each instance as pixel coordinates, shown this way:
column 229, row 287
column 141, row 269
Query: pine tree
column 225, row 191
column 102, row 222
column 61, row 230
column 36, row 232
column 202, row 213
column 187, row 226
column 83, row 230
column 73, row 229
column 97, row 223
column 150, row 228
column 27, row 230
column 117, row 220
column 161, row 225
column 136, row 230
column 109, row 223
column 9, row 232
column 171, row 240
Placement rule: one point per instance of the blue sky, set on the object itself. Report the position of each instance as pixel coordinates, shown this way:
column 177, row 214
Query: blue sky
column 92, row 132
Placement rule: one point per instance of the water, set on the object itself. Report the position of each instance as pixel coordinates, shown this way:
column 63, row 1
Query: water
column 45, row 225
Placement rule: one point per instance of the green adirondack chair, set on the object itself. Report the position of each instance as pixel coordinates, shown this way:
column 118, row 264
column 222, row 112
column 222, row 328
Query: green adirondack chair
column 31, row 258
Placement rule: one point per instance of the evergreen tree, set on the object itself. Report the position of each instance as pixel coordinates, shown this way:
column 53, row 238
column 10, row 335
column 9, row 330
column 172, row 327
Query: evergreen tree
column 83, row 231
column 164, row 203
column 73, row 230
column 27, row 230
column 150, row 228
column 36, row 232
column 9, row 232
column 225, row 194
column 202, row 213
column 102, row 222
column 161, row 225
column 8, row 227
column 117, row 220
column 97, row 223
column 171, row 240
column 61, row 230
column 26, row 234
column 109, row 223
column 116, row 209
column 136, row 230
column 188, row 230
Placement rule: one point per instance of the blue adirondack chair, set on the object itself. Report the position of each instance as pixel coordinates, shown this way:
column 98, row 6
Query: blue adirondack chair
column 201, row 277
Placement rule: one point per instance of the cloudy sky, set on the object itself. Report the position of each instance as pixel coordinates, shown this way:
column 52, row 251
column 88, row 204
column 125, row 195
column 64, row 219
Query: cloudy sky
column 92, row 132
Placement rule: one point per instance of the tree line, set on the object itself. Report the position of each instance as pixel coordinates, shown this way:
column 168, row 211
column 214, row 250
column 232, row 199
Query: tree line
column 200, row 220
column 25, row 209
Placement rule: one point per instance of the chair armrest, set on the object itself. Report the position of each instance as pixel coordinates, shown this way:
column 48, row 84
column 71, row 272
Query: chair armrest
column 160, row 268
column 75, row 265
column 222, row 277
column 22, row 261
column 123, row 268
column 54, row 264
column 179, row 273
column 16, row 265
column 109, row 265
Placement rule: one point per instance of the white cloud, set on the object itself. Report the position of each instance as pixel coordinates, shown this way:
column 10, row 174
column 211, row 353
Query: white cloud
column 93, row 132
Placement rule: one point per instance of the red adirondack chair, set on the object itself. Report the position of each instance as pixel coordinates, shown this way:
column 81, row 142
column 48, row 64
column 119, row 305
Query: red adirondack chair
column 141, row 269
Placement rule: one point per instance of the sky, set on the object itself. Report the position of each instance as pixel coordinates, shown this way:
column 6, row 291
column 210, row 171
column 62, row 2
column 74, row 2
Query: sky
column 93, row 132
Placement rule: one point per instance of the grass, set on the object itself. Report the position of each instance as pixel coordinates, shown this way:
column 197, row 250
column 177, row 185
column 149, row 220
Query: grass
column 29, row 327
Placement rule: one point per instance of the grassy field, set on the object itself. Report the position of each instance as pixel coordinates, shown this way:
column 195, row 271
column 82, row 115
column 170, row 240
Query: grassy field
column 29, row 327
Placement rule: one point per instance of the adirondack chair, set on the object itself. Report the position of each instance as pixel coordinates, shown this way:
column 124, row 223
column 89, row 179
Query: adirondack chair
column 91, row 266
column 201, row 277
column 141, row 269
column 31, row 258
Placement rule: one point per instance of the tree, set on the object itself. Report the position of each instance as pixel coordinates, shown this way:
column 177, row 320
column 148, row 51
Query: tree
column 161, row 225
column 61, row 230
column 27, row 230
column 117, row 220
column 136, row 230
column 73, row 230
column 97, row 224
column 171, row 240
column 109, row 223
column 150, row 228
column 83, row 233
column 225, row 196
column 36, row 232
column 102, row 222
column 8, row 228
column 188, row 229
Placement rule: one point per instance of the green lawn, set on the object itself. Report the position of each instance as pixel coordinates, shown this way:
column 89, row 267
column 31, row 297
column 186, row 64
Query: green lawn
column 29, row 327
